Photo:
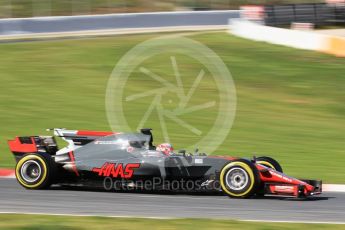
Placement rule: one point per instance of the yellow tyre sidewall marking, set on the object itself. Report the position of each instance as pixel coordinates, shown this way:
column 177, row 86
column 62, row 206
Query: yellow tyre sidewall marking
column 22, row 161
column 247, row 169
column 266, row 163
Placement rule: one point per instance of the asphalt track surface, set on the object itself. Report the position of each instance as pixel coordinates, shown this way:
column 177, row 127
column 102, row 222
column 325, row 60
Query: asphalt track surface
column 115, row 21
column 330, row 207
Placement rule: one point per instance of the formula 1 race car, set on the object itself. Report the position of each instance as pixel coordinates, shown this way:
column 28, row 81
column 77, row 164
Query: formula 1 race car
column 130, row 161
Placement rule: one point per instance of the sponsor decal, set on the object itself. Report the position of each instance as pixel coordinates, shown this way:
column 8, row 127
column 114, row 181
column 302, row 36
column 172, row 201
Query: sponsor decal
column 284, row 188
column 198, row 161
column 281, row 176
column 116, row 170
column 105, row 142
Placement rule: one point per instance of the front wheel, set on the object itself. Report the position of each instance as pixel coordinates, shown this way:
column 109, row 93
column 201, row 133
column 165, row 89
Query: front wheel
column 239, row 179
column 35, row 171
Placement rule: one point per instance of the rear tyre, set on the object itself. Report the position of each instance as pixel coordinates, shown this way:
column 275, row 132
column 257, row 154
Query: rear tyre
column 270, row 163
column 240, row 179
column 35, row 171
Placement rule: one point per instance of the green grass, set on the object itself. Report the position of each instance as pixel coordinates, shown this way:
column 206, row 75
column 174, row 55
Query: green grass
column 290, row 102
column 38, row 222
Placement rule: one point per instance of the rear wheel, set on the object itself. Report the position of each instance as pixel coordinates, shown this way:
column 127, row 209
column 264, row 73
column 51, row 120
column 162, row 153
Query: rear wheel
column 270, row 163
column 35, row 171
column 239, row 179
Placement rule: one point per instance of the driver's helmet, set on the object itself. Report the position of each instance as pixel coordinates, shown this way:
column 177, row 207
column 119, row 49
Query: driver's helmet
column 165, row 148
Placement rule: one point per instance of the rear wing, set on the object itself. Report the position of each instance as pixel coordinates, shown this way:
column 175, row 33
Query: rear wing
column 32, row 144
column 21, row 145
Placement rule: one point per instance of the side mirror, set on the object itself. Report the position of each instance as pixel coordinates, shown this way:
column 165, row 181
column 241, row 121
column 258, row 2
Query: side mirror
column 254, row 159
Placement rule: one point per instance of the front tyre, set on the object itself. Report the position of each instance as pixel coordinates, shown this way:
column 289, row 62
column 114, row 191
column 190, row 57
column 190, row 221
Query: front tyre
column 240, row 179
column 35, row 171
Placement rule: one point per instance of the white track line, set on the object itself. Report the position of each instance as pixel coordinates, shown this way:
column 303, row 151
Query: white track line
column 175, row 218
column 296, row 222
column 88, row 215
column 333, row 187
column 108, row 32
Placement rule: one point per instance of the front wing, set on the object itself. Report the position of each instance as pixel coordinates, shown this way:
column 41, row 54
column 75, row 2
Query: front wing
column 279, row 184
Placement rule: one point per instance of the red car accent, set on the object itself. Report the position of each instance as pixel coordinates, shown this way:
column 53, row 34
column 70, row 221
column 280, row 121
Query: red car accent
column 17, row 147
column 74, row 167
column 94, row 133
